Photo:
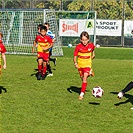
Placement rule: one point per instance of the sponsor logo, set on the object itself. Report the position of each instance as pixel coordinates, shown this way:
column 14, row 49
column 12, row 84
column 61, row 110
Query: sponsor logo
column 66, row 27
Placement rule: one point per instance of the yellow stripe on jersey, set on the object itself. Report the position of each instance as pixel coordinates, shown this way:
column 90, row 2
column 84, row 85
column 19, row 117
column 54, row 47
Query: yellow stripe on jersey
column 41, row 45
column 84, row 60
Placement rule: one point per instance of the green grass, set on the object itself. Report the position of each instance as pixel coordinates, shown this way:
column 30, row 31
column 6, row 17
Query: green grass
column 52, row 105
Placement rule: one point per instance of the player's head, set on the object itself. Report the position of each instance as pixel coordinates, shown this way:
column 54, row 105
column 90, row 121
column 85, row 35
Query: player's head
column 47, row 25
column 84, row 38
column 1, row 35
column 43, row 30
column 38, row 27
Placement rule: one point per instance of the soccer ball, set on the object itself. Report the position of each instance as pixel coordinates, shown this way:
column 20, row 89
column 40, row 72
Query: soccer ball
column 69, row 45
column 97, row 92
column 97, row 46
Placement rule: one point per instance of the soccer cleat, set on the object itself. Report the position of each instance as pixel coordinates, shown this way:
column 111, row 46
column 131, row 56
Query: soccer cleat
column 120, row 95
column 43, row 76
column 55, row 59
column 81, row 97
column 39, row 76
column 91, row 73
column 50, row 74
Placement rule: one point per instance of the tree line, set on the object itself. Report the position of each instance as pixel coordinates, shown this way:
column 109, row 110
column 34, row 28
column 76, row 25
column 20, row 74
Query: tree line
column 106, row 9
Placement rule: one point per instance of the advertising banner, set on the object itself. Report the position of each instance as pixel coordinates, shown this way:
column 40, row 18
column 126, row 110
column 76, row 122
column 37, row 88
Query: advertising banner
column 74, row 27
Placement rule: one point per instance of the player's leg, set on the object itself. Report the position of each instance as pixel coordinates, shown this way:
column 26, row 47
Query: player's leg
column 52, row 59
column 85, row 73
column 49, row 69
column 44, row 70
column 126, row 89
column 40, row 62
column 84, row 86
column 45, row 60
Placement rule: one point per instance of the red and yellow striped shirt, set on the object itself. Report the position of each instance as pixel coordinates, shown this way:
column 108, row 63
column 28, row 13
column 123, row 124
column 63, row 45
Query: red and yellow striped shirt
column 43, row 42
column 84, row 53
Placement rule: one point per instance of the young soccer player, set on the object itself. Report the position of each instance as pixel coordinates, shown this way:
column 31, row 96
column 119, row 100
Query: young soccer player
column 44, row 43
column 52, row 36
column 2, row 51
column 83, row 55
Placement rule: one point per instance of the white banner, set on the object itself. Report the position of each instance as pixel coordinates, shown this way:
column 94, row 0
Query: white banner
column 74, row 27
column 108, row 27
column 128, row 27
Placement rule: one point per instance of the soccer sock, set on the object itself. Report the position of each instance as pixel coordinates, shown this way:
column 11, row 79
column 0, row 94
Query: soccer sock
column 49, row 68
column 39, row 68
column 84, row 85
column 128, row 87
column 44, row 70
column 52, row 59
column 82, row 94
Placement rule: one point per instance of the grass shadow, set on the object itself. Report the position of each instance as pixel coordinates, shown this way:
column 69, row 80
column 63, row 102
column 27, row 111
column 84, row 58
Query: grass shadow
column 74, row 89
column 94, row 103
column 128, row 96
column 35, row 73
column 2, row 88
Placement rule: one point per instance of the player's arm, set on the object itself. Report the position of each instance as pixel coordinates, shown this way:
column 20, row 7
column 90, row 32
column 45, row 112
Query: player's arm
column 49, row 46
column 93, row 55
column 53, row 40
column 75, row 61
column 75, row 57
column 34, row 46
column 4, row 60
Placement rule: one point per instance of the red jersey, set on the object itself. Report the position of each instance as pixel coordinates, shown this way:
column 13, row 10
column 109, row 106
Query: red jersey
column 2, row 48
column 84, row 53
column 43, row 42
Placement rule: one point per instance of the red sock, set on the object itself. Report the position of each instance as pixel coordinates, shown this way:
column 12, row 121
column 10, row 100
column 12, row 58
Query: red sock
column 84, row 85
column 44, row 70
column 39, row 68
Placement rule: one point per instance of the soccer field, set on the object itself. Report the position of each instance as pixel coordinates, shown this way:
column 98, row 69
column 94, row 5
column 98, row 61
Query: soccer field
column 52, row 105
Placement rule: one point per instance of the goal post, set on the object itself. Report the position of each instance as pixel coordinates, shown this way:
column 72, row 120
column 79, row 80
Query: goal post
column 91, row 24
column 51, row 17
column 19, row 28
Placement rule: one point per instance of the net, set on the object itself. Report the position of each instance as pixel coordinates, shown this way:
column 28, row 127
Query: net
column 19, row 28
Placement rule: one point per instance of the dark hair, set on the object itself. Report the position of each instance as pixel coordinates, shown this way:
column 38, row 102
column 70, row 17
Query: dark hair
column 43, row 28
column 39, row 26
column 84, row 33
column 46, row 23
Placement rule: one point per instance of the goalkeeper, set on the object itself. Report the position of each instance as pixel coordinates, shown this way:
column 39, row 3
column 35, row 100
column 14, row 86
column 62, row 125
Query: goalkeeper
column 52, row 36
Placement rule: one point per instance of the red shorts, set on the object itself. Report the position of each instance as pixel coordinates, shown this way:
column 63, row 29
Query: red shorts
column 84, row 70
column 44, row 56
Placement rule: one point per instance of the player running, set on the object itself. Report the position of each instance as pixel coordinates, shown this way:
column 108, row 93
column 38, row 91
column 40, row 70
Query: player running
column 83, row 55
column 44, row 43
